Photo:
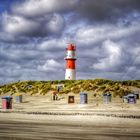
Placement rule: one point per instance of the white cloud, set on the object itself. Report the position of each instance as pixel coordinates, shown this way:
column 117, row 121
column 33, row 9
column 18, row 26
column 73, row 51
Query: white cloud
column 18, row 25
column 41, row 7
column 112, row 58
column 56, row 24
column 54, row 44
column 97, row 33
column 50, row 66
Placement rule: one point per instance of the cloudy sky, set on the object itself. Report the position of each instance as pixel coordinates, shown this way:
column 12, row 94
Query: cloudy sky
column 34, row 34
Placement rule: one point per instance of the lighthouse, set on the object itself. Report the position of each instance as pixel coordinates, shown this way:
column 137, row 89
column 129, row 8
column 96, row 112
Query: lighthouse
column 70, row 62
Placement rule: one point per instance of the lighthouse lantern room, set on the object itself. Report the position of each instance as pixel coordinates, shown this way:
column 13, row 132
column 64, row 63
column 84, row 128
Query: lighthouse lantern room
column 70, row 62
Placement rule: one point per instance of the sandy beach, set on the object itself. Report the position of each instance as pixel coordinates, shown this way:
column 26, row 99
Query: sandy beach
column 39, row 127
column 38, row 103
column 39, row 118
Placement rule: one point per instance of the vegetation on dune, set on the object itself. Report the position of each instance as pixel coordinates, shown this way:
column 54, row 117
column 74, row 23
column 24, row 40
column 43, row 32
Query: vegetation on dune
column 97, row 86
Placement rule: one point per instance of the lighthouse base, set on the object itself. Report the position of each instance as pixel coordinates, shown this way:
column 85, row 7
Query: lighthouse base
column 70, row 74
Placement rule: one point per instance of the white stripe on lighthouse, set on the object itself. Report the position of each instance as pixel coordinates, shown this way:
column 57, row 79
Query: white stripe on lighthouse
column 70, row 54
column 70, row 74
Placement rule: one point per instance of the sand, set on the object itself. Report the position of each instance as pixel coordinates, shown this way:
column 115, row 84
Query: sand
column 22, row 126
column 45, row 103
column 94, row 125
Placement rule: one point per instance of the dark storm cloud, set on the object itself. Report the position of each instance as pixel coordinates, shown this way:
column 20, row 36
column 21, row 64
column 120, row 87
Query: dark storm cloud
column 34, row 35
column 103, row 10
column 33, row 18
column 32, row 27
column 48, row 18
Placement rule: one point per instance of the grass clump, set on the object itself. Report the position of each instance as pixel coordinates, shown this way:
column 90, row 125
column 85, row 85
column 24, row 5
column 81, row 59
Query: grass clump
column 98, row 86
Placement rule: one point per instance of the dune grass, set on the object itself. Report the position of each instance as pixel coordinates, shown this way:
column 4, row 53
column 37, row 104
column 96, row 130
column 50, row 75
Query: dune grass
column 97, row 86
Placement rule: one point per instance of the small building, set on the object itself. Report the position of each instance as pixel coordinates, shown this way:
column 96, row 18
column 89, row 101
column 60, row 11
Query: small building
column 125, row 99
column 107, row 97
column 71, row 98
column 136, row 93
column 18, row 98
column 7, row 102
column 59, row 87
column 131, row 98
column 83, row 98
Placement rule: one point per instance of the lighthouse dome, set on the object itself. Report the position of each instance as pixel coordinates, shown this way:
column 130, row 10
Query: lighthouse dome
column 71, row 47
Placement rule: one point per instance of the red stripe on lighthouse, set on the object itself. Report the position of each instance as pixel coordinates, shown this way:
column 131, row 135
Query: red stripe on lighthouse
column 70, row 64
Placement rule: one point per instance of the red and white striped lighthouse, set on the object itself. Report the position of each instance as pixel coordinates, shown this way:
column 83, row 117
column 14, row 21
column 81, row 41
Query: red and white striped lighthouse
column 70, row 62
